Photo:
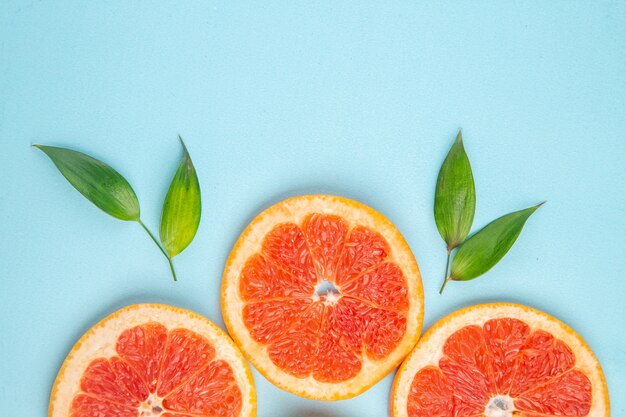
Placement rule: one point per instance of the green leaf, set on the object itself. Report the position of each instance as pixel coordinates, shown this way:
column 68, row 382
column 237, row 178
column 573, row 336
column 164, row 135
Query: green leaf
column 455, row 196
column 181, row 209
column 101, row 184
column 483, row 250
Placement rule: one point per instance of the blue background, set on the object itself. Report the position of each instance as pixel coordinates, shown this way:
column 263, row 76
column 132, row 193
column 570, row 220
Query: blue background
column 355, row 99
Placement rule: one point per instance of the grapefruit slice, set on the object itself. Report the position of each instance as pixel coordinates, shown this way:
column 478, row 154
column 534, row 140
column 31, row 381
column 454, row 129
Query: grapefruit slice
column 323, row 296
column 500, row 360
column 151, row 360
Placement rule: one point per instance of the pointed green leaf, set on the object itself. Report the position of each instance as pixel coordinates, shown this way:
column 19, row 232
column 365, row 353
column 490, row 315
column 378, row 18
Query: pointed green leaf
column 455, row 196
column 483, row 250
column 101, row 184
column 181, row 209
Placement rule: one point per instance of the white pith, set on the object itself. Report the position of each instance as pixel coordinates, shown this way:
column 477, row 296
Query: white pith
column 99, row 342
column 152, row 406
column 429, row 350
column 327, row 292
column 500, row 406
column 295, row 211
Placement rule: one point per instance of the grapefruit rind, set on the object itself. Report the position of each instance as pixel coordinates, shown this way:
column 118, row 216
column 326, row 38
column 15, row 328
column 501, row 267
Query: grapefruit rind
column 295, row 210
column 100, row 340
column 429, row 350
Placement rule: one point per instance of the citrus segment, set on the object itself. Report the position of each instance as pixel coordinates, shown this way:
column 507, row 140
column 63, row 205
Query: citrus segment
column 364, row 249
column 101, row 381
column 500, row 360
column 175, row 415
column 542, row 358
column 263, row 280
column 286, row 246
column 383, row 286
column 466, row 365
column 325, row 236
column 430, row 394
column 382, row 339
column 295, row 348
column 349, row 315
column 336, row 359
column 323, row 295
column 504, row 338
column 267, row 320
column 84, row 405
column 185, row 354
column 212, row 391
column 568, row 394
column 129, row 379
column 153, row 361
column 141, row 347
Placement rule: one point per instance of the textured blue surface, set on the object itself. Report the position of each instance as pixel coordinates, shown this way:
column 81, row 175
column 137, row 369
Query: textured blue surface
column 273, row 101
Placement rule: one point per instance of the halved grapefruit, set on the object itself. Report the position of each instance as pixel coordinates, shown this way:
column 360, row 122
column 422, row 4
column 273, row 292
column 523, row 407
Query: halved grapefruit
column 323, row 296
column 151, row 360
column 500, row 360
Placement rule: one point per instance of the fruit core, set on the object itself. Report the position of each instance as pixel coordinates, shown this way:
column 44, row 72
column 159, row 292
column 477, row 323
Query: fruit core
column 327, row 292
column 500, row 406
column 151, row 407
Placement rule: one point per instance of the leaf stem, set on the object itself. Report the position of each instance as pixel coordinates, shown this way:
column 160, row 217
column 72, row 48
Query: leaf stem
column 169, row 259
column 447, row 278
column 156, row 242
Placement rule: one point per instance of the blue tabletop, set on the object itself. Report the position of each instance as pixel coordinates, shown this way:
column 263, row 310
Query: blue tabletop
column 353, row 98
